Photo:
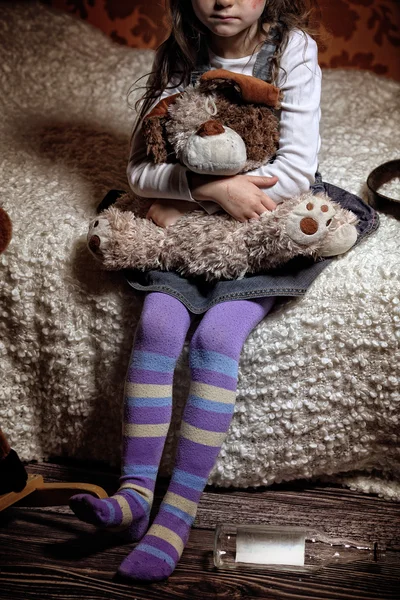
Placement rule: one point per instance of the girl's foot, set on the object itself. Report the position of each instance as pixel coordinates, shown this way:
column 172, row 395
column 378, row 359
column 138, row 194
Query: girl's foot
column 158, row 553
column 127, row 510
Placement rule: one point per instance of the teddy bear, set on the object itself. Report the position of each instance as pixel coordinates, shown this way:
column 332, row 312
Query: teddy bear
column 223, row 125
column 13, row 476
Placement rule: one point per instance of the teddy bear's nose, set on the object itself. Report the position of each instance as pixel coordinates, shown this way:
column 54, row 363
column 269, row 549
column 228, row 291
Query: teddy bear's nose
column 210, row 127
column 309, row 226
column 94, row 243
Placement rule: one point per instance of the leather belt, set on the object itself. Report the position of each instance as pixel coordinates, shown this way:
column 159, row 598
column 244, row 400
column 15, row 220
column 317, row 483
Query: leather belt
column 382, row 174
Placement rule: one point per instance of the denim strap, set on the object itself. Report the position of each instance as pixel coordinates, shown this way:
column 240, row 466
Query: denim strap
column 262, row 66
column 198, row 72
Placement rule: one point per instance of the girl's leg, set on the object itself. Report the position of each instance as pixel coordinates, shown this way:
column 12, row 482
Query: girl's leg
column 214, row 356
column 159, row 340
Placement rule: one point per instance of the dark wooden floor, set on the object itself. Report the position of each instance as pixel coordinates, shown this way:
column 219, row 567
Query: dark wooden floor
column 46, row 553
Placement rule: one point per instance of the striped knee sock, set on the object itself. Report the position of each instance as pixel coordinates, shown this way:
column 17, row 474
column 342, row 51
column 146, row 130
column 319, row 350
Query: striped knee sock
column 147, row 414
column 214, row 366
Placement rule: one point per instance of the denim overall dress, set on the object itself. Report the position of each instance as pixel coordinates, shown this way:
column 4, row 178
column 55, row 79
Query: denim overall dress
column 292, row 279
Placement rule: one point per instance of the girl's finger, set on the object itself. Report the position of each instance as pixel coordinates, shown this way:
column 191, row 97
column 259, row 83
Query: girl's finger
column 261, row 209
column 255, row 215
column 268, row 203
column 263, row 181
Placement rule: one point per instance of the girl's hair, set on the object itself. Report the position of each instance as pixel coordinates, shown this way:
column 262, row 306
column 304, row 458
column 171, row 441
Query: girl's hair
column 187, row 45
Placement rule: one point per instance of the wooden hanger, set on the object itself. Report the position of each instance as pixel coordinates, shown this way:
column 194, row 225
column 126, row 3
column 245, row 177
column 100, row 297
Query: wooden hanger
column 30, row 490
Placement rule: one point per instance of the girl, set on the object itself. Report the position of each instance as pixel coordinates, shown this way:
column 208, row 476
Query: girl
column 266, row 38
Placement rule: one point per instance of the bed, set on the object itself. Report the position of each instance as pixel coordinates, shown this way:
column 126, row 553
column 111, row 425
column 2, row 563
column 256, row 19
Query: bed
column 318, row 392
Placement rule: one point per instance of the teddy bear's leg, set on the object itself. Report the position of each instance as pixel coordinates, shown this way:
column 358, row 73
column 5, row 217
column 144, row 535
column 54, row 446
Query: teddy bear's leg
column 317, row 221
column 341, row 240
column 120, row 240
column 308, row 222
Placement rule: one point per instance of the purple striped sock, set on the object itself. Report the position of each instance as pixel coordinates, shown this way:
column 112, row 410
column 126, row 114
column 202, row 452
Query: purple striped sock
column 147, row 413
column 214, row 356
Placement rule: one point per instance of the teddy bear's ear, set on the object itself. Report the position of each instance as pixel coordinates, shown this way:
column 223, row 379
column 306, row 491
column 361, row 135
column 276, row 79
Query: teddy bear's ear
column 5, row 230
column 154, row 130
column 251, row 89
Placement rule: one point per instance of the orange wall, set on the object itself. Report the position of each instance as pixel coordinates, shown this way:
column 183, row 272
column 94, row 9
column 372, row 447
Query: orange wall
column 364, row 34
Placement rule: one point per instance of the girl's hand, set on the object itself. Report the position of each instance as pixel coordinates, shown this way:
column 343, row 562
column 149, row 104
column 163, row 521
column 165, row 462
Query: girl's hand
column 167, row 212
column 240, row 195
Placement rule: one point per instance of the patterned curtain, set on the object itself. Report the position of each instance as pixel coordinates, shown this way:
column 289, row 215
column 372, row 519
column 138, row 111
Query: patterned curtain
column 361, row 34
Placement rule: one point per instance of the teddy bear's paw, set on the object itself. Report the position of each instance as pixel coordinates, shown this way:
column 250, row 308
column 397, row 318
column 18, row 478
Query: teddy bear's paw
column 309, row 221
column 340, row 241
column 98, row 237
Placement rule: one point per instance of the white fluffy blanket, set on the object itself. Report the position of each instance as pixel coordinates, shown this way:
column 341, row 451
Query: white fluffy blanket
column 319, row 379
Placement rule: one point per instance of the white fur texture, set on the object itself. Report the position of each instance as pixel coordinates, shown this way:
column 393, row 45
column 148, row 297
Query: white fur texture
column 319, row 379
column 223, row 154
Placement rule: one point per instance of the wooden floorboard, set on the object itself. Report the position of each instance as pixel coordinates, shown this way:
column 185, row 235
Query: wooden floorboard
column 46, row 553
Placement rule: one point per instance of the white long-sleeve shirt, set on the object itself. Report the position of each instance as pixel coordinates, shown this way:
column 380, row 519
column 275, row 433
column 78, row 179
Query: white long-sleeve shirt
column 297, row 156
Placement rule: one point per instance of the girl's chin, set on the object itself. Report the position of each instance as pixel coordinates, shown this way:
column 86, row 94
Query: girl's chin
column 225, row 29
